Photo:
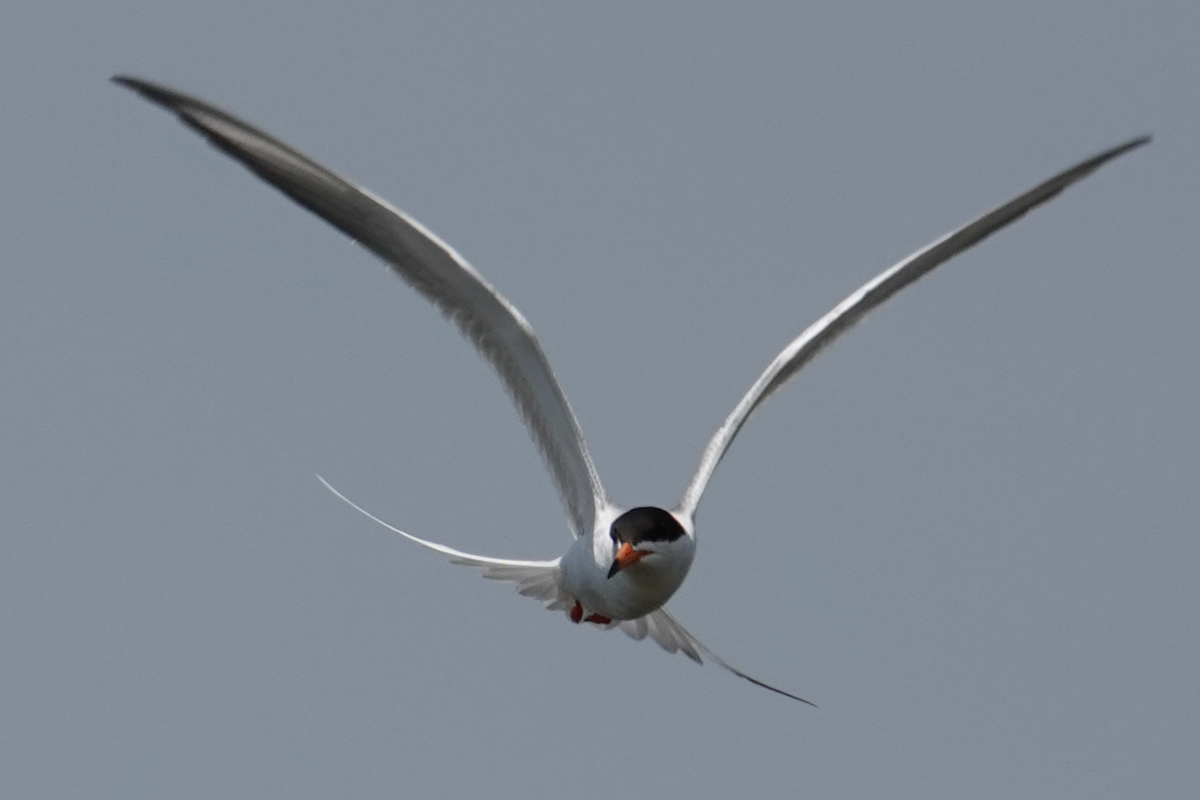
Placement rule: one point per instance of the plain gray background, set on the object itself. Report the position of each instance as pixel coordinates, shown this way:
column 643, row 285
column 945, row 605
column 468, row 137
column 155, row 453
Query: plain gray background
column 968, row 531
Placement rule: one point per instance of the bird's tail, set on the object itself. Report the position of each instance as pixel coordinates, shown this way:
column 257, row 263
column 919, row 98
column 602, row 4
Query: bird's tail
column 673, row 637
column 540, row 580
column 536, row 579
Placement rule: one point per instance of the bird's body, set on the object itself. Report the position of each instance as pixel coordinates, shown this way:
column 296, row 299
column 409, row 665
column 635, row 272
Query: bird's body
column 624, row 564
column 631, row 592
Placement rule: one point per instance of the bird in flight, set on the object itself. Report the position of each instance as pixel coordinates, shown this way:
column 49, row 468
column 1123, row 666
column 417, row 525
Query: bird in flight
column 624, row 564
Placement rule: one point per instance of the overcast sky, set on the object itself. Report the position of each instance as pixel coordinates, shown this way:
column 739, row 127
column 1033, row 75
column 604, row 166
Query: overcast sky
column 968, row 531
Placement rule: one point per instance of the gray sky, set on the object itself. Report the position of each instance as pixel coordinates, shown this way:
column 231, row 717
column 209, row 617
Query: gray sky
column 968, row 531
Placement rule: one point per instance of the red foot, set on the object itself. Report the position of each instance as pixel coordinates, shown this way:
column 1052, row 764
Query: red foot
column 576, row 615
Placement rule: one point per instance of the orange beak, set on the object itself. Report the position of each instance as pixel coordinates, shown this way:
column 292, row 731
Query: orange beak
column 626, row 555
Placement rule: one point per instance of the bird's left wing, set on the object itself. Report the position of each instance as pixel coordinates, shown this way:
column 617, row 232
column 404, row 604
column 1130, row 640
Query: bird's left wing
column 430, row 266
column 673, row 637
column 846, row 313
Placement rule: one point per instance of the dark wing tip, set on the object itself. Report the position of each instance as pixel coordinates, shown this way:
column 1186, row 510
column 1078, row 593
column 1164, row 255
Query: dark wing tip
column 151, row 91
column 1122, row 148
column 188, row 108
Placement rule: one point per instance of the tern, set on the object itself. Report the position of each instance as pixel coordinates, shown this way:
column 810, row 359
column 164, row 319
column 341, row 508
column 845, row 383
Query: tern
column 624, row 564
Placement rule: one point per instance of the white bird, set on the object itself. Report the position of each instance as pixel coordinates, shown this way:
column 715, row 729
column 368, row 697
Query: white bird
column 624, row 564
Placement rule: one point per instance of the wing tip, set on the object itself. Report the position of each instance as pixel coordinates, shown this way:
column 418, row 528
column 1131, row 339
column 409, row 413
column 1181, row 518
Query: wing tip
column 1138, row 141
column 1123, row 147
column 148, row 89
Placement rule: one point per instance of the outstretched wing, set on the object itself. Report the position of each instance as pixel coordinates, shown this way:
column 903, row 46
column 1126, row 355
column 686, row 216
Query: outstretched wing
column 846, row 313
column 536, row 579
column 673, row 637
column 430, row 266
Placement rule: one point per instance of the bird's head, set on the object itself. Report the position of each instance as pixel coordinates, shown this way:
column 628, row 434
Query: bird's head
column 643, row 533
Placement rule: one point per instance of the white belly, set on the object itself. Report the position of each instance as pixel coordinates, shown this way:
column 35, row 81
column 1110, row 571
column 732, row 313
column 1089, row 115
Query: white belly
column 631, row 593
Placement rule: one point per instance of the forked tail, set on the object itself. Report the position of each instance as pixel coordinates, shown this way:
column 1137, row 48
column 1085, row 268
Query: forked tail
column 536, row 579
column 539, row 579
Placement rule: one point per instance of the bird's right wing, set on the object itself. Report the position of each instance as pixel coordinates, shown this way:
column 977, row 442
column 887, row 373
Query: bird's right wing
column 430, row 266
column 846, row 313
column 673, row 637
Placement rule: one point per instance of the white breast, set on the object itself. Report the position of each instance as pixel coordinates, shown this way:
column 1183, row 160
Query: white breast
column 631, row 593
